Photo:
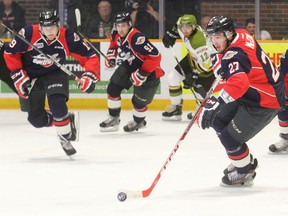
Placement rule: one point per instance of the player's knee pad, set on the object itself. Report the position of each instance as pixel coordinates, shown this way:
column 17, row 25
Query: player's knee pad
column 229, row 143
column 57, row 105
column 114, row 90
column 174, row 78
column 283, row 115
column 139, row 102
column 38, row 119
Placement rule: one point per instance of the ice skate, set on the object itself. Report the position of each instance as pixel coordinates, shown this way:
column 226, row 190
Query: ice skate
column 74, row 122
column 110, row 124
column 237, row 179
column 133, row 125
column 232, row 168
column 66, row 145
column 173, row 114
column 279, row 147
column 233, row 178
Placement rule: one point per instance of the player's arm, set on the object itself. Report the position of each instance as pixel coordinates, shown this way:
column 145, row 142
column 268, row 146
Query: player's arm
column 150, row 56
column 87, row 58
column 16, row 48
column 110, row 61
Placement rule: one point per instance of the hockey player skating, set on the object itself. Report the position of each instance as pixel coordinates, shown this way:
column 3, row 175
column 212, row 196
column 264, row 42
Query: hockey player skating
column 29, row 66
column 282, row 145
column 196, row 65
column 249, row 100
column 141, row 69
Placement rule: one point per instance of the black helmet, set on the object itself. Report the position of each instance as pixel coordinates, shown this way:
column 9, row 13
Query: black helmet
column 220, row 24
column 122, row 17
column 48, row 17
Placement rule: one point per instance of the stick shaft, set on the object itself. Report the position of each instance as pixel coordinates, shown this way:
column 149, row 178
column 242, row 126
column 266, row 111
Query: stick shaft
column 147, row 192
column 64, row 69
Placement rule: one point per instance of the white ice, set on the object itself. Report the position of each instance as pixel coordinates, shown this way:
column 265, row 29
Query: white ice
column 38, row 179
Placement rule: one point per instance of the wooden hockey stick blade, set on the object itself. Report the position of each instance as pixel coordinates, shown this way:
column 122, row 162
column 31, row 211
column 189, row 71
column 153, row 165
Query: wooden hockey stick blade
column 78, row 17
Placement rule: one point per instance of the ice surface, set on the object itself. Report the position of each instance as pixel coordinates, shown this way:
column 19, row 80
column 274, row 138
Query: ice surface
column 38, row 179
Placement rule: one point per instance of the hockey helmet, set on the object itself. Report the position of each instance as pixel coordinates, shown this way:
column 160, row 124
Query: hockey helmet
column 220, row 24
column 48, row 17
column 122, row 17
column 188, row 19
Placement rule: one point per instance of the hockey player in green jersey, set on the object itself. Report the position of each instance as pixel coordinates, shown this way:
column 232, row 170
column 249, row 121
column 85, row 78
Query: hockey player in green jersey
column 195, row 69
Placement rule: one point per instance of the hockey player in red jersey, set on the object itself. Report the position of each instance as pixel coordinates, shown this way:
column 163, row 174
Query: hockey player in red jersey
column 282, row 145
column 141, row 69
column 4, row 71
column 251, row 97
column 36, row 77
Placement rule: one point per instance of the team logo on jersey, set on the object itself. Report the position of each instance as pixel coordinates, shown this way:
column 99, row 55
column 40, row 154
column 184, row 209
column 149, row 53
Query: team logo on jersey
column 43, row 61
column 140, row 40
column 229, row 54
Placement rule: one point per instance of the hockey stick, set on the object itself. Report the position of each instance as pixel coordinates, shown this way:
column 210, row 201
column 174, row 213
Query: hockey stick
column 183, row 74
column 78, row 24
column 64, row 69
column 124, row 194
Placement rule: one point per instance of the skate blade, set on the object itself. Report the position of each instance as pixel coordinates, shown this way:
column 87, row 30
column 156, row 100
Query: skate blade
column 129, row 131
column 172, row 118
column 283, row 152
column 248, row 182
column 109, row 129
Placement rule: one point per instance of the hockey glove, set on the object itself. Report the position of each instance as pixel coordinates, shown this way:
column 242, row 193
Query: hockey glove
column 190, row 80
column 21, row 82
column 208, row 112
column 88, row 82
column 170, row 37
column 216, row 63
column 110, row 61
column 138, row 79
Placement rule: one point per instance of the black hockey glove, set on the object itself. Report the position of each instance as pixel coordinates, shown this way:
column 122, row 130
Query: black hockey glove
column 110, row 61
column 208, row 112
column 21, row 82
column 170, row 37
column 216, row 64
column 88, row 82
column 190, row 80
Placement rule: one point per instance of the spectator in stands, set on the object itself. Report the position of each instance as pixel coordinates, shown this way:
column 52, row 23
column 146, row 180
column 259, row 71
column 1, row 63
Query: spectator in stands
column 100, row 26
column 12, row 14
column 204, row 21
column 145, row 16
column 86, row 8
column 250, row 26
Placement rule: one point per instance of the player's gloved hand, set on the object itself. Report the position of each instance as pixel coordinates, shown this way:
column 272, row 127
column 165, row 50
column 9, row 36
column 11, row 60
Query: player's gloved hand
column 216, row 64
column 208, row 112
column 190, row 79
column 137, row 78
column 170, row 37
column 110, row 61
column 21, row 82
column 88, row 82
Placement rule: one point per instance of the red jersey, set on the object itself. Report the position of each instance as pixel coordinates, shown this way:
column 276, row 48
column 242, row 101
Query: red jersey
column 141, row 54
column 251, row 77
column 19, row 55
